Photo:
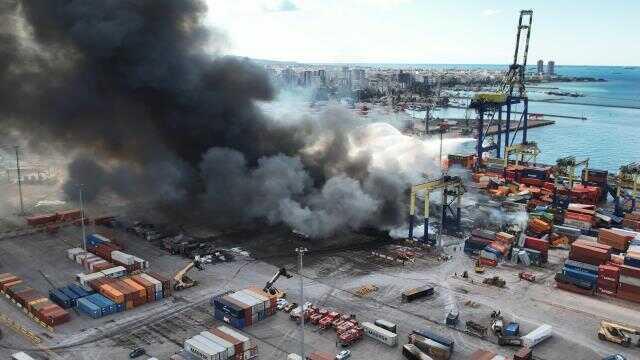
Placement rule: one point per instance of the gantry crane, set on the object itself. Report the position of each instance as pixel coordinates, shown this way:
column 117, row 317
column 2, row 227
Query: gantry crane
column 624, row 188
column 526, row 152
column 452, row 187
column 511, row 91
column 617, row 333
column 565, row 170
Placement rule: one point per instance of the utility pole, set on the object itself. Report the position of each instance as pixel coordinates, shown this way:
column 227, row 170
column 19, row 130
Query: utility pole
column 301, row 251
column 84, row 237
column 17, row 148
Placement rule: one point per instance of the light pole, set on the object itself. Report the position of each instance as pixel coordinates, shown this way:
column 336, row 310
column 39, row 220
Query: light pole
column 17, row 149
column 84, row 237
column 301, row 251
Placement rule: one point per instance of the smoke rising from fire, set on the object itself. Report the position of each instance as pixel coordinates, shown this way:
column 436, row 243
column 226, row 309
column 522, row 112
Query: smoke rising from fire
column 129, row 87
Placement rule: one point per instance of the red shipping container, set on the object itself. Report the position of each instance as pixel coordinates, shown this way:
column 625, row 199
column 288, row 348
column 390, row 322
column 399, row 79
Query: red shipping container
column 536, row 244
column 607, row 284
column 626, row 295
column 605, row 291
column 41, row 219
column 488, row 262
column 628, row 270
column 69, row 215
column 609, row 272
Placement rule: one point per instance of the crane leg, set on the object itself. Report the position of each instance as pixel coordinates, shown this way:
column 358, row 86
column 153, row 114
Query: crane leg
column 411, row 217
column 426, row 230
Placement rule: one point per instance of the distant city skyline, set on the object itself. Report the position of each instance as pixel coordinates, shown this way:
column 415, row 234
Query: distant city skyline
column 425, row 32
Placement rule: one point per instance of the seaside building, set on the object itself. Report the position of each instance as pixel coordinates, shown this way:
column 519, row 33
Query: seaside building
column 551, row 68
column 540, row 67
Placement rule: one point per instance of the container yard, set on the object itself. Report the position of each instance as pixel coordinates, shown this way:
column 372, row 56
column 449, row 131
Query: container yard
column 223, row 234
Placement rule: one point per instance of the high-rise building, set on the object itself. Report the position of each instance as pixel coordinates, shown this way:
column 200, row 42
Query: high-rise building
column 551, row 67
column 323, row 75
column 540, row 67
column 306, row 77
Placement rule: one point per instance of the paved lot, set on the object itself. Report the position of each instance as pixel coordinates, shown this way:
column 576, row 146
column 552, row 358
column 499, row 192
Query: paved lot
column 331, row 278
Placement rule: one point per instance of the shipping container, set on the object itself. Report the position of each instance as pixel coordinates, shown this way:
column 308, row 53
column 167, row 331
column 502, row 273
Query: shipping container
column 434, row 349
column 237, row 344
column 580, row 266
column 236, row 322
column 122, row 257
column 89, row 308
column 201, row 350
column 412, row 352
column 106, row 305
column 247, row 343
column 167, row 285
column 115, row 272
column 229, row 347
column 389, row 326
column 96, row 239
column 21, row 356
column 435, row 337
column 78, row 290
column 60, row 298
column 380, row 334
column 416, row 293
column 537, row 336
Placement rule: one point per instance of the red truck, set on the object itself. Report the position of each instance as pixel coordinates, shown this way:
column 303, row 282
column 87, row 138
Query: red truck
column 351, row 336
column 346, row 325
column 326, row 321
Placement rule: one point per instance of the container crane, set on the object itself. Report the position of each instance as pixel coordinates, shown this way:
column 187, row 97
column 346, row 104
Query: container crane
column 511, row 91
column 268, row 287
column 181, row 281
column 624, row 188
column 566, row 167
column 617, row 333
column 452, row 187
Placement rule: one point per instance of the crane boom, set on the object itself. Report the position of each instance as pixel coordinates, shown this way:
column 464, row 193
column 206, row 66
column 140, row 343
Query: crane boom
column 268, row 287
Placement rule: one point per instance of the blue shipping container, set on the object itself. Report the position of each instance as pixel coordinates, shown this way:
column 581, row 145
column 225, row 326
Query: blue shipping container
column 119, row 307
column 233, row 321
column 580, row 266
column 79, row 290
column 70, row 294
column 60, row 298
column 106, row 306
column 94, row 239
column 435, row 337
column 580, row 275
column 228, row 307
column 631, row 261
column 89, row 308
column 158, row 295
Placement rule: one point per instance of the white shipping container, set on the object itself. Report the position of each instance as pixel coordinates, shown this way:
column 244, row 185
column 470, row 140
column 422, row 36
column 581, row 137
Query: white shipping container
column 81, row 256
column 629, row 280
column 156, row 283
column 294, row 357
column 247, row 343
column 251, row 301
column 218, row 351
column 122, row 257
column 524, row 257
column 537, row 336
column 84, row 279
column 380, row 334
column 144, row 263
column 201, row 350
column 115, row 272
column 100, row 237
column 264, row 302
column 71, row 253
column 498, row 357
column 230, row 349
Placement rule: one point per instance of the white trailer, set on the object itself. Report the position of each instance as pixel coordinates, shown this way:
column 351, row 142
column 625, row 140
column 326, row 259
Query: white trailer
column 380, row 334
column 537, row 336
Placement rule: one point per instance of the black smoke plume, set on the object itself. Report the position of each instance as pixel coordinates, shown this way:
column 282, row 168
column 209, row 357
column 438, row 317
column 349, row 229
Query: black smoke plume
column 128, row 85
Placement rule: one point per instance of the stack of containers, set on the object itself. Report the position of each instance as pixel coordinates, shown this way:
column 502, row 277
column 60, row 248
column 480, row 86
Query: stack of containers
column 589, row 252
column 94, row 240
column 632, row 221
column 115, row 272
column 577, row 277
column 629, row 285
column 249, row 348
column 106, row 306
column 608, row 278
column 489, row 256
column 272, row 305
column 86, row 279
column 36, row 303
column 140, row 294
column 478, row 240
column 537, row 249
column 167, row 285
column 150, row 288
column 104, row 250
column 73, row 252
column 157, row 285
column 245, row 307
column 616, row 238
column 505, row 238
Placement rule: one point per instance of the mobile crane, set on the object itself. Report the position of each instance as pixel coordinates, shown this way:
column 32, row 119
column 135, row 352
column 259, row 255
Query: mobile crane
column 181, row 281
column 268, row 287
column 617, row 333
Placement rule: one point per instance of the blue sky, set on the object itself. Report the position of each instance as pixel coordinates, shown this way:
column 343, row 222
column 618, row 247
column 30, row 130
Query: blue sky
column 587, row 32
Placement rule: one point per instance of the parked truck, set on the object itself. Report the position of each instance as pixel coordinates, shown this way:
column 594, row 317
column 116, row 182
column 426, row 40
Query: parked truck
column 351, row 336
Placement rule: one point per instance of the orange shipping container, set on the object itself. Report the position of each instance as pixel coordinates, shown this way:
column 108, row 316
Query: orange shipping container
column 148, row 286
column 111, row 293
